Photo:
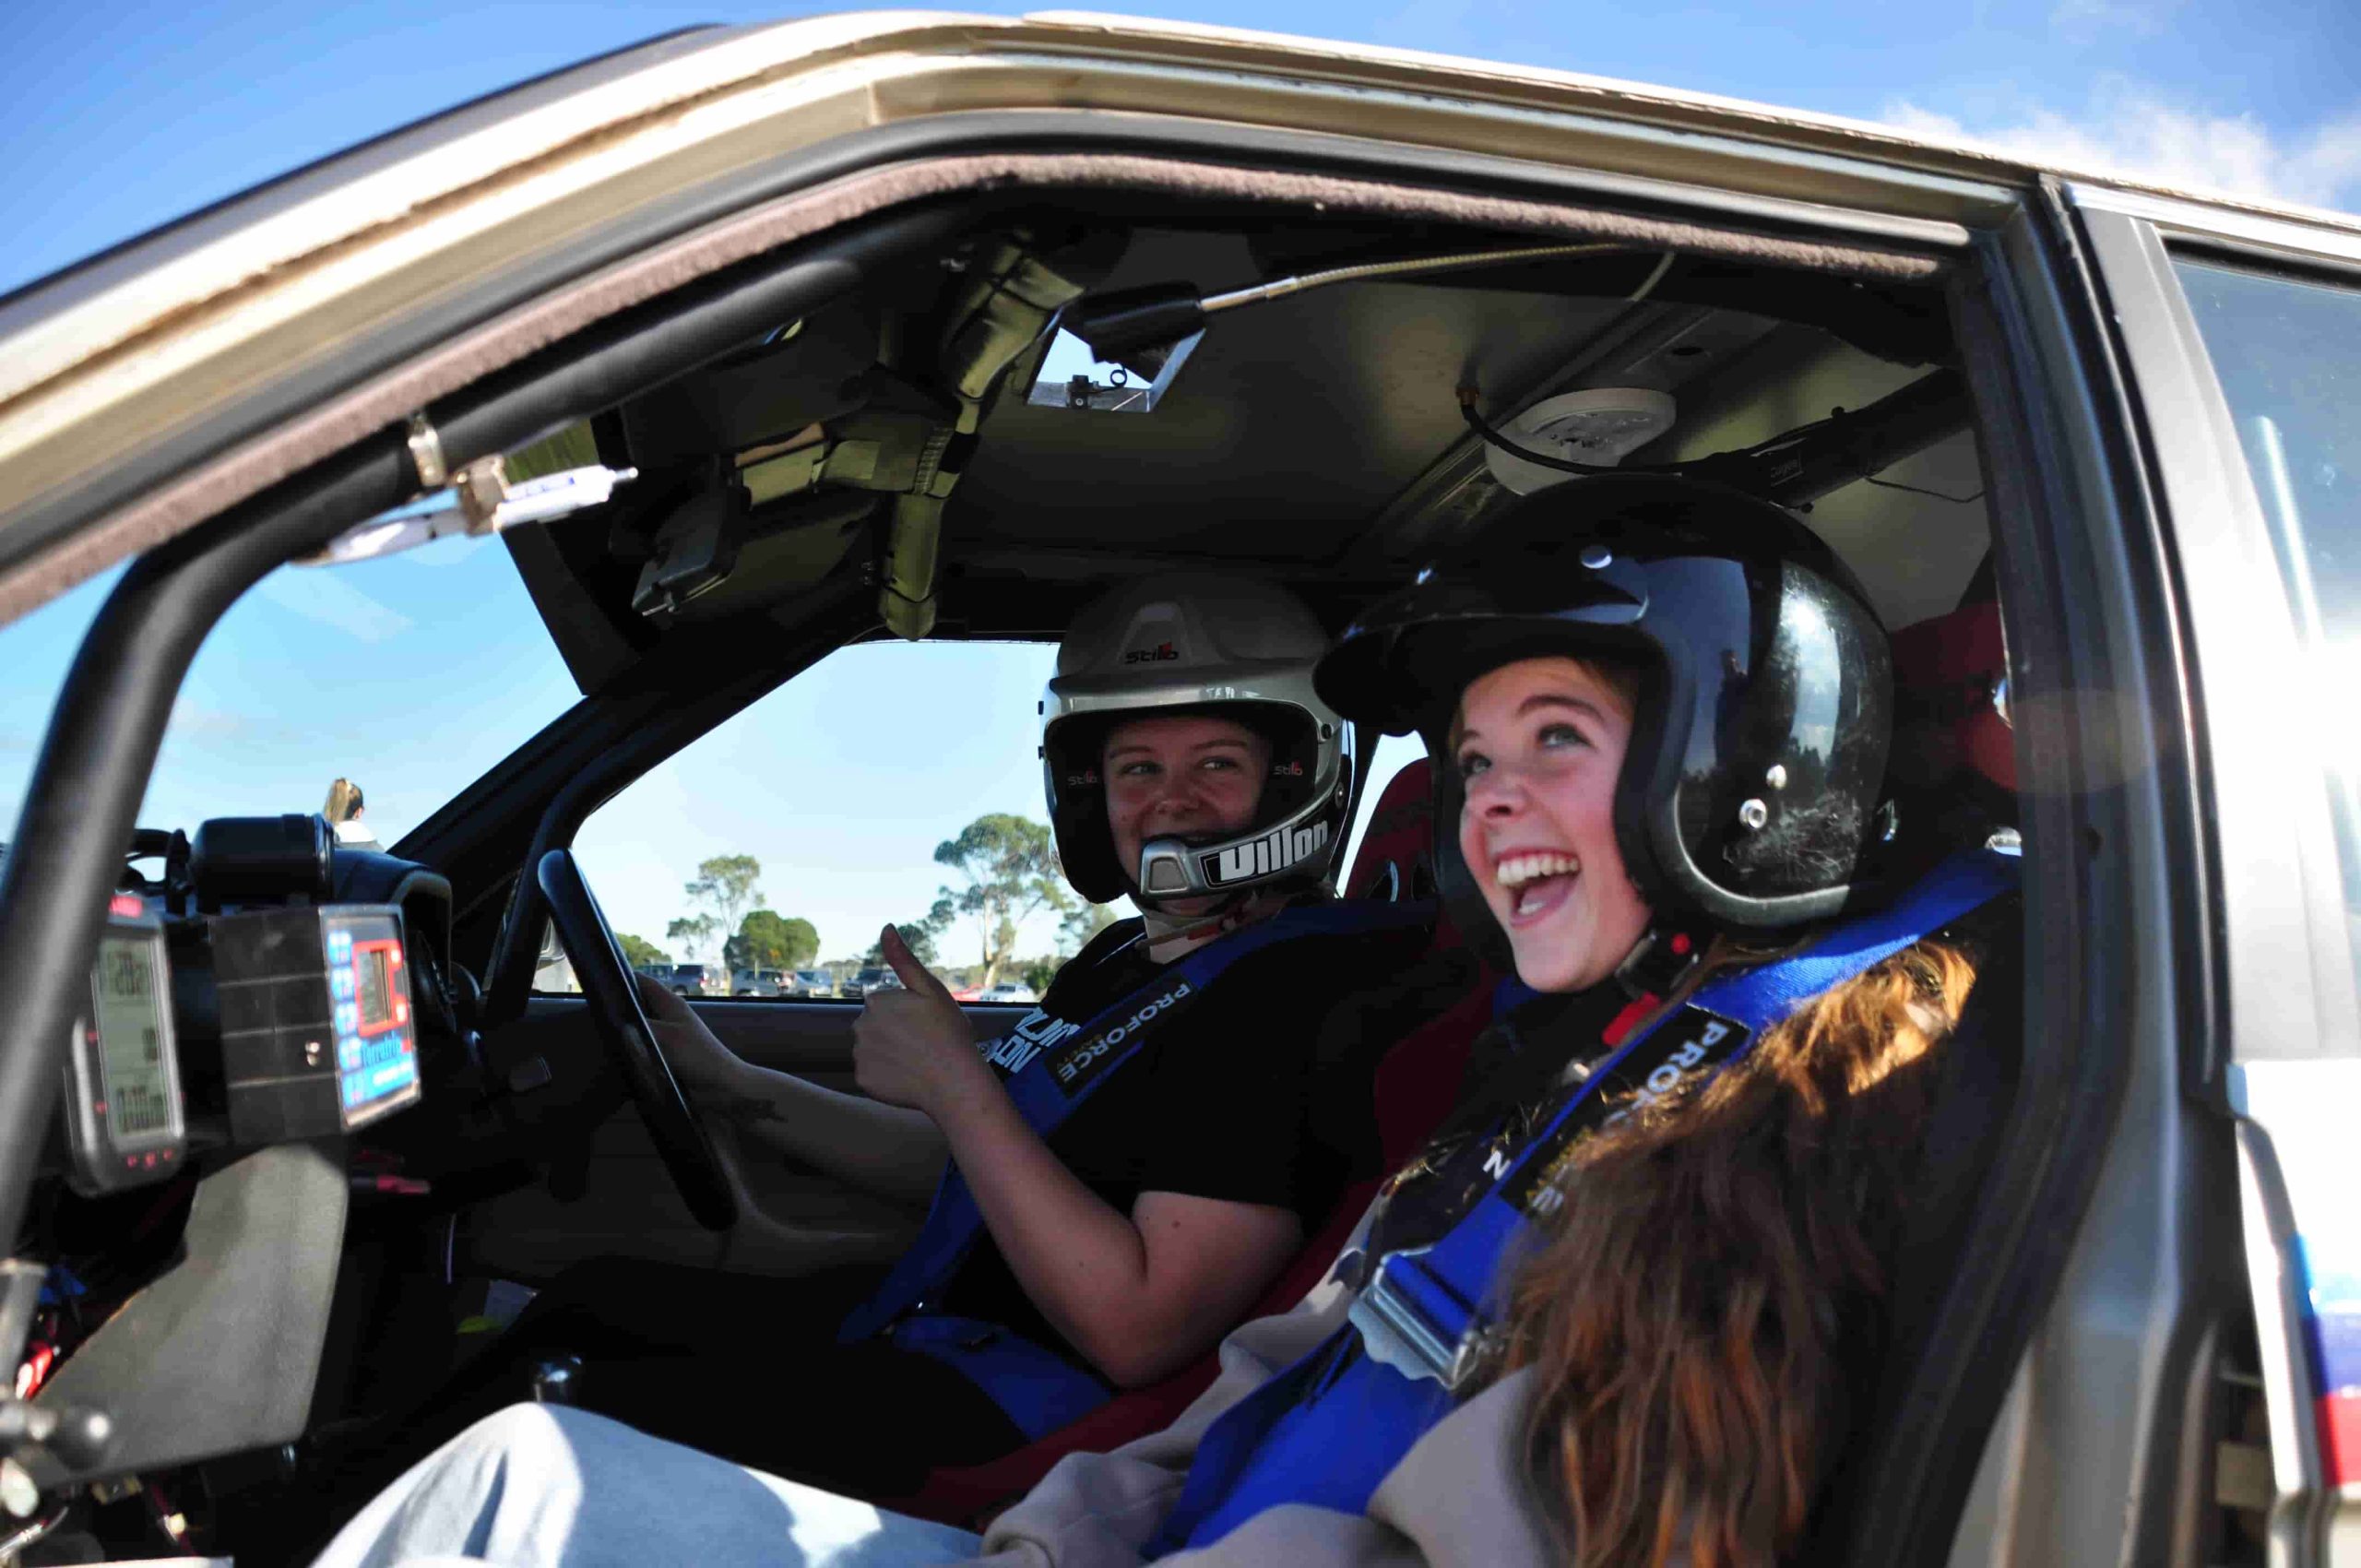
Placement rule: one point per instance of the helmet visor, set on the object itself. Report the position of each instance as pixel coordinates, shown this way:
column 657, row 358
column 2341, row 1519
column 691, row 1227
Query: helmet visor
column 1418, row 649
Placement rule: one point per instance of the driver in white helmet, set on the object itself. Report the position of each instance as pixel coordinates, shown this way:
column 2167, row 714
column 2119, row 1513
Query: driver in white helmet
column 1111, row 1185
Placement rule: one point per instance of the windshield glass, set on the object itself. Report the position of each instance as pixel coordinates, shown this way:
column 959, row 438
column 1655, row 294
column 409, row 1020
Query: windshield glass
column 407, row 676
column 411, row 675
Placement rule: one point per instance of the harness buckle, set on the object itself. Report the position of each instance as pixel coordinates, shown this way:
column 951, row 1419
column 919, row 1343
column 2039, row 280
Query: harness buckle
column 1657, row 963
column 1396, row 1331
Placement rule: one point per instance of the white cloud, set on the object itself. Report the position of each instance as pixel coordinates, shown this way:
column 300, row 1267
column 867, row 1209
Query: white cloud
column 197, row 720
column 2131, row 130
column 317, row 594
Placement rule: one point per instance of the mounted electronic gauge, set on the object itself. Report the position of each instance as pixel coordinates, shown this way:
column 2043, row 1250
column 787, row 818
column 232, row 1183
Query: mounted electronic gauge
column 316, row 1031
column 126, row 1122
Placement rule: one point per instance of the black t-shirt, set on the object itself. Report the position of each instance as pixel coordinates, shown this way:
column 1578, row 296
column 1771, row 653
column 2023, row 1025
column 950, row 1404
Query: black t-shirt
column 1236, row 1098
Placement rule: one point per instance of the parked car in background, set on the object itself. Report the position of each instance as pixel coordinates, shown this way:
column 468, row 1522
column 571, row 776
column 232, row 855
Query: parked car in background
column 1008, row 990
column 759, row 982
column 877, row 976
column 688, row 980
column 811, row 982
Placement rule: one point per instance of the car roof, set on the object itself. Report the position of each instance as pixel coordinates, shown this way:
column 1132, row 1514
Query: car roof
column 208, row 337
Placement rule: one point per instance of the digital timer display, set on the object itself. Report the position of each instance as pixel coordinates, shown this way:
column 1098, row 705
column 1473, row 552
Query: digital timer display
column 128, row 996
column 125, row 1123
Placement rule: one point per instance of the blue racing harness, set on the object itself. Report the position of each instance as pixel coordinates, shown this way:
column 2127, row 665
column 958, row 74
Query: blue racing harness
column 1050, row 1066
column 1326, row 1430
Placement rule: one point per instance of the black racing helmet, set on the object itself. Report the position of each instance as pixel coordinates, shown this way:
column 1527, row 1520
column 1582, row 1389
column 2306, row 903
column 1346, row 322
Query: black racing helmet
column 1751, row 794
column 1195, row 642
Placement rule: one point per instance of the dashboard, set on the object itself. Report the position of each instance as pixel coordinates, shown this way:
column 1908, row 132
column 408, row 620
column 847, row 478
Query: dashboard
column 257, row 1011
column 285, row 1010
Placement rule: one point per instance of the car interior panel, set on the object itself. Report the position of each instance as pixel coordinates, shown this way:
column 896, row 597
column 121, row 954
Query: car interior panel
column 852, row 437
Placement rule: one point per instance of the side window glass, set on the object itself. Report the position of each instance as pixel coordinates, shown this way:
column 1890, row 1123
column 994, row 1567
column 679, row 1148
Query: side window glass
column 2288, row 354
column 890, row 783
column 552, row 971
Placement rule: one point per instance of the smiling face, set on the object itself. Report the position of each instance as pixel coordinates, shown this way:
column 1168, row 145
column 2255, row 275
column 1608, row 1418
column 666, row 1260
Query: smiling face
column 1187, row 776
column 1538, row 745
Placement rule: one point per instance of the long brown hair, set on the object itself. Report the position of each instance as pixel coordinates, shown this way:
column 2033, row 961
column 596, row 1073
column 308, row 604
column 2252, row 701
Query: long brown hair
column 1718, row 1255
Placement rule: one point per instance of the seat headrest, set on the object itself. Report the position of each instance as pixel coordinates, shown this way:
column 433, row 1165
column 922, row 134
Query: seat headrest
column 1396, row 858
column 1950, row 713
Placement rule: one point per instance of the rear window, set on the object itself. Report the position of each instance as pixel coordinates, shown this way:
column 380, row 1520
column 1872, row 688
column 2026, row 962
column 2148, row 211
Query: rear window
column 2288, row 354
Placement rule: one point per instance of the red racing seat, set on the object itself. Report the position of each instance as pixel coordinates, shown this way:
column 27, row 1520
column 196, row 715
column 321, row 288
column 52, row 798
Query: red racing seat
column 1951, row 691
column 1415, row 1082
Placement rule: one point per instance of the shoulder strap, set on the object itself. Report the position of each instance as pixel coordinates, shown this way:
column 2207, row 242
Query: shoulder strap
column 1105, row 943
column 1055, row 1075
column 1330, row 1428
column 1424, row 1310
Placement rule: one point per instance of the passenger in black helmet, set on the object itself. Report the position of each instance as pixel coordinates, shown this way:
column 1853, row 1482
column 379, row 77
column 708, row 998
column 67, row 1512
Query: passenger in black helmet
column 1616, row 1311
column 1128, row 1169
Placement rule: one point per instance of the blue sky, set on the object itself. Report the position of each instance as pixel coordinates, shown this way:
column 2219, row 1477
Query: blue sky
column 124, row 116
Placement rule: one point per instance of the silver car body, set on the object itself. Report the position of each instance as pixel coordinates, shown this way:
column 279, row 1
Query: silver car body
column 146, row 391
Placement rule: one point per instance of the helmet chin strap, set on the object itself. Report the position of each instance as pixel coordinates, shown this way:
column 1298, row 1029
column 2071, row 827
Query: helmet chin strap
column 1170, row 935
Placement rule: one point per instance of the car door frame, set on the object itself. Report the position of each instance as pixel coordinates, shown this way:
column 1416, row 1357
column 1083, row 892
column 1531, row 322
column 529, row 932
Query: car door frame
column 2027, row 1331
column 2288, row 1006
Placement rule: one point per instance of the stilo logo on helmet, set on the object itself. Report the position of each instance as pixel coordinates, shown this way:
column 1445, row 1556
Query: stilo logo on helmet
column 1182, row 643
column 1749, row 797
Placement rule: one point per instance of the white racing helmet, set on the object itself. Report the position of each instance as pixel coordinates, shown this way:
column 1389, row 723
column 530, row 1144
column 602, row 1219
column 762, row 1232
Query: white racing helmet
column 1197, row 642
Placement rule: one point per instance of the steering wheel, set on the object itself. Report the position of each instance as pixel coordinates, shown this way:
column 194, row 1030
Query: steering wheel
column 622, row 1027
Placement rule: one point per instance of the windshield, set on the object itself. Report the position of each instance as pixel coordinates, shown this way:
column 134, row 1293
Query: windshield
column 407, row 676
column 411, row 675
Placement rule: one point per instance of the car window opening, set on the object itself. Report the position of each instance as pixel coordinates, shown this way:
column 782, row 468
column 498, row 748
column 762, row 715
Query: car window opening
column 912, row 460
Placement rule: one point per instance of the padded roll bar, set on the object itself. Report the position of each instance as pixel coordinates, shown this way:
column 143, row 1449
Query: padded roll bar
column 86, row 787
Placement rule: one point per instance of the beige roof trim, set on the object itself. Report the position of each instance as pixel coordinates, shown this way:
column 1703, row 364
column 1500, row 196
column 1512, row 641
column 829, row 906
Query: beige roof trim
column 400, row 192
column 390, row 400
column 1961, row 157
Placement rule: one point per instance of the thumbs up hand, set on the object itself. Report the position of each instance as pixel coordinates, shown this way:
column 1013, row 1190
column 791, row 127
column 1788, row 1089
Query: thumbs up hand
column 914, row 1046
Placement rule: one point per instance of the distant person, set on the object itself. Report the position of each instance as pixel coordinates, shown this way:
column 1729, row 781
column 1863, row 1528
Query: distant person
column 1114, row 1182
column 344, row 814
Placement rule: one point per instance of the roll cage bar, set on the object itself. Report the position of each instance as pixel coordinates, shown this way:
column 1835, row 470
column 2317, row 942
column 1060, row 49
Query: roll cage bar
column 84, row 793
